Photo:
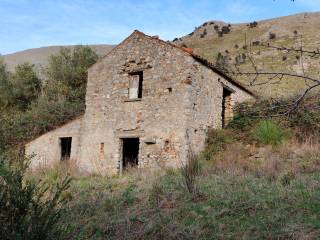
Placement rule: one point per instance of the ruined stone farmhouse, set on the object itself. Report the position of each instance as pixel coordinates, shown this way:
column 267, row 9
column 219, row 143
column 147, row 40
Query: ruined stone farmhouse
column 148, row 102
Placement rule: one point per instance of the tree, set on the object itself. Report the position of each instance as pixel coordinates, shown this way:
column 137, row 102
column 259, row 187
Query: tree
column 67, row 72
column 5, row 86
column 26, row 86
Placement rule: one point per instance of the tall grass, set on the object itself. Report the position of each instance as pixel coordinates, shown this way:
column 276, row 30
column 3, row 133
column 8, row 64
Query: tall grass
column 190, row 171
column 269, row 133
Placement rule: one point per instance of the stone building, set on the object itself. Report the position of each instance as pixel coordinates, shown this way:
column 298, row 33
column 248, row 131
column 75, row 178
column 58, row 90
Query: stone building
column 148, row 102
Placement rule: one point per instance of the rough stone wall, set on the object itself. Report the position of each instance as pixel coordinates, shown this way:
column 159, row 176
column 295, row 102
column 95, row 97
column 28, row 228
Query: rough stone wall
column 158, row 118
column 46, row 150
column 206, row 103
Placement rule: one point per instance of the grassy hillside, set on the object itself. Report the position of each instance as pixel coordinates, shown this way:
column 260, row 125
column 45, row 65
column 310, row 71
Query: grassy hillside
column 248, row 38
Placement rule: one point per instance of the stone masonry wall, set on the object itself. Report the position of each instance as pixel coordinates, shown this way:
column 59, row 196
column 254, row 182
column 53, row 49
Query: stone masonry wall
column 206, row 102
column 159, row 117
column 46, row 149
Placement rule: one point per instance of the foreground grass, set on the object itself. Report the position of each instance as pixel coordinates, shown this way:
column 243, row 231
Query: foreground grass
column 158, row 206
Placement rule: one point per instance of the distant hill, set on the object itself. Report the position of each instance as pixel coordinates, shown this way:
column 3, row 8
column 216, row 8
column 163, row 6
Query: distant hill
column 39, row 56
column 232, row 40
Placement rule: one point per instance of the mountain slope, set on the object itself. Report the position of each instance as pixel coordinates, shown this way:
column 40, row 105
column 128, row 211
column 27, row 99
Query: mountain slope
column 39, row 56
column 238, row 41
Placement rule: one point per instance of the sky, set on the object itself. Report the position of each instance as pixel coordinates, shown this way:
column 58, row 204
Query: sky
column 28, row 24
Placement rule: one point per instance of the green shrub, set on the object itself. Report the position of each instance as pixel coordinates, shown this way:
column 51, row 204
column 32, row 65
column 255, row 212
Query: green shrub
column 270, row 133
column 29, row 209
column 304, row 121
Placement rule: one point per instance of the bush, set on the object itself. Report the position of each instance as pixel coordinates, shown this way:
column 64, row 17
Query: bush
column 253, row 24
column 272, row 35
column 29, row 209
column 270, row 133
column 225, row 29
column 304, row 121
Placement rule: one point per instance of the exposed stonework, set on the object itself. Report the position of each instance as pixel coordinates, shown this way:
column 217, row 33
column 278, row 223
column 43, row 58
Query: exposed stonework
column 181, row 97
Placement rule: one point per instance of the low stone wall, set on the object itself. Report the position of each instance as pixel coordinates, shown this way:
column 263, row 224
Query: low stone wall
column 46, row 151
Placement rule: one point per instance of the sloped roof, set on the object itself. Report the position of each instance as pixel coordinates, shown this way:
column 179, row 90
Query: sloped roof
column 203, row 61
column 190, row 52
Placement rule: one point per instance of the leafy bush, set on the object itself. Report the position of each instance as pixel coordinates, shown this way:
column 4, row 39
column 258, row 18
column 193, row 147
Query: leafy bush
column 270, row 133
column 29, row 209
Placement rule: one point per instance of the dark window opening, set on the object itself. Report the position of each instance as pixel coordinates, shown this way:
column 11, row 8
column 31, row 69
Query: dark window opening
column 226, row 107
column 65, row 144
column 101, row 151
column 101, row 147
column 169, row 89
column 135, row 85
column 130, row 152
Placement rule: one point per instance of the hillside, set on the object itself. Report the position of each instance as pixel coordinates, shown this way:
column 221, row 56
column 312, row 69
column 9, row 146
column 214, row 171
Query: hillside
column 234, row 40
column 39, row 56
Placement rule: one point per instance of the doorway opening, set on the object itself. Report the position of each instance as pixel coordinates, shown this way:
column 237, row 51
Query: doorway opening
column 130, row 152
column 227, row 111
column 65, row 145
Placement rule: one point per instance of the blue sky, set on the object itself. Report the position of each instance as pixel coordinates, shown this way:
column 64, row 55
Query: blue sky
column 35, row 23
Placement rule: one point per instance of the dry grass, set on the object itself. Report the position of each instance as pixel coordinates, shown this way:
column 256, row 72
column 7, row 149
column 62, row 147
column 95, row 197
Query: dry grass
column 295, row 157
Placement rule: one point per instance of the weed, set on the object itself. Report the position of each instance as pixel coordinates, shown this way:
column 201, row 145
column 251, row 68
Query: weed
column 190, row 171
column 269, row 133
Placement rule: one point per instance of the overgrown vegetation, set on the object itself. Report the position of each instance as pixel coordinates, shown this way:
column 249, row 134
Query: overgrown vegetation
column 238, row 188
column 29, row 209
column 30, row 106
column 268, row 132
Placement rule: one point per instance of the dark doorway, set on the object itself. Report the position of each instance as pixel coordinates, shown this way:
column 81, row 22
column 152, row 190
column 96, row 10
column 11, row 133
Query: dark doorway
column 226, row 107
column 130, row 152
column 65, row 144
